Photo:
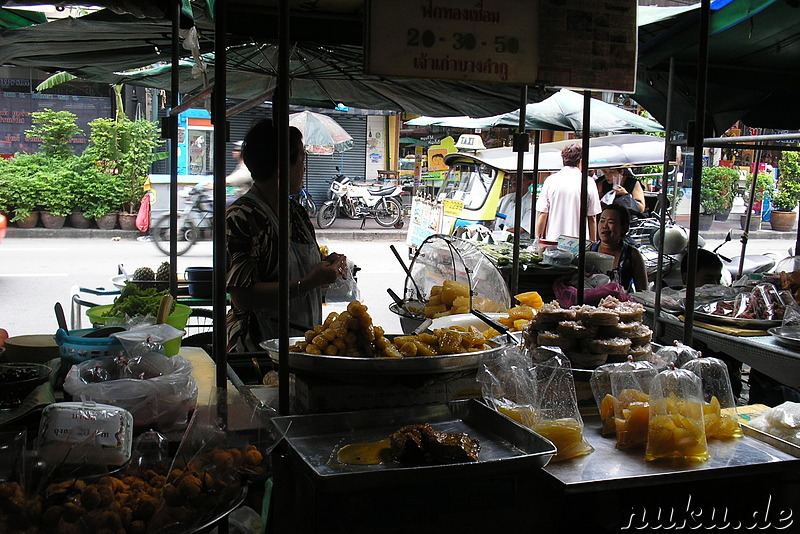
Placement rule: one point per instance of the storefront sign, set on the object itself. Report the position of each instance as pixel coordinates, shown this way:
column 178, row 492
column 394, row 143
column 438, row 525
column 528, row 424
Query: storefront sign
column 486, row 40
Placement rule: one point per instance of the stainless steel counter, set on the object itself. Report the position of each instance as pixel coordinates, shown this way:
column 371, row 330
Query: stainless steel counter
column 608, row 468
column 762, row 353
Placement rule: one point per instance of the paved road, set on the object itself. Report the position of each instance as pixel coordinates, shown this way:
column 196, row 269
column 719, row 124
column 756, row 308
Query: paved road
column 37, row 273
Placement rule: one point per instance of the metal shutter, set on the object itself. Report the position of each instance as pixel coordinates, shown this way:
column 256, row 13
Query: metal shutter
column 353, row 162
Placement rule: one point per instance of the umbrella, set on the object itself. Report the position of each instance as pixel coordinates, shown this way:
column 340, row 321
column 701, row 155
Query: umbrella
column 562, row 111
column 321, row 134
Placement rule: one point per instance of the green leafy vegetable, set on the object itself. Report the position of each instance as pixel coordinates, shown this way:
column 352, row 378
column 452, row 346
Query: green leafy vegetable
column 134, row 301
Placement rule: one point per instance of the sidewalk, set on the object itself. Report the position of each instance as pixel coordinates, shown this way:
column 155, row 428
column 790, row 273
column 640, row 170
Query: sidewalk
column 342, row 230
column 350, row 230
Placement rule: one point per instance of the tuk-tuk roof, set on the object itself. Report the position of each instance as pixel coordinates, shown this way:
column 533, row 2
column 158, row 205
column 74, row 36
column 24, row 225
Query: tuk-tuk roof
column 604, row 152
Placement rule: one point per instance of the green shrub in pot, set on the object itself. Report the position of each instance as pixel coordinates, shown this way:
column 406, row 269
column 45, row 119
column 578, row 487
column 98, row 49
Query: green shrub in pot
column 719, row 189
column 19, row 187
column 764, row 187
column 788, row 195
column 56, row 192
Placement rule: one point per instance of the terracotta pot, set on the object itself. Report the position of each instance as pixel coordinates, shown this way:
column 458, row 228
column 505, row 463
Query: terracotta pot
column 782, row 221
column 107, row 221
column 705, row 221
column 52, row 221
column 755, row 222
column 78, row 220
column 127, row 221
column 30, row 221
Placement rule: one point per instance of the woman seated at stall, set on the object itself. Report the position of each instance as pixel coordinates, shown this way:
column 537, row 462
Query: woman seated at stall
column 622, row 182
column 629, row 269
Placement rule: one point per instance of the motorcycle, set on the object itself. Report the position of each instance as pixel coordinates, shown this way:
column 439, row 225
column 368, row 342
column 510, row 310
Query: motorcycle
column 197, row 215
column 360, row 201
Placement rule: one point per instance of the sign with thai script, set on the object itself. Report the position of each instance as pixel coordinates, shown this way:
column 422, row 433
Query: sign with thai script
column 485, row 40
column 588, row 44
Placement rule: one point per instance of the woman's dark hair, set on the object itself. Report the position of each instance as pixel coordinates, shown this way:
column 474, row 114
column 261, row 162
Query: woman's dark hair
column 624, row 217
column 260, row 149
column 571, row 154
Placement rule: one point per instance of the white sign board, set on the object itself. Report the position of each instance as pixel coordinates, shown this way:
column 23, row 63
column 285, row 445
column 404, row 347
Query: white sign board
column 485, row 40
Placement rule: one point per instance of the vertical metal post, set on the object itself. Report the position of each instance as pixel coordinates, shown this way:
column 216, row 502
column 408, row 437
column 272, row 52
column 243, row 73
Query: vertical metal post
column 537, row 141
column 658, row 326
column 280, row 118
column 173, row 148
column 518, row 142
column 697, row 177
column 219, row 119
column 746, row 233
column 587, row 114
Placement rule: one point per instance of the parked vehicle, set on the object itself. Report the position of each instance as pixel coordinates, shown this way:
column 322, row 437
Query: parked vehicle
column 307, row 201
column 197, row 214
column 361, row 201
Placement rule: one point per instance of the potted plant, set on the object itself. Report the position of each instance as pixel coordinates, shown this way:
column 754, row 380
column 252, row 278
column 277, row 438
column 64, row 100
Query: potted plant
column 56, row 195
column 19, row 196
column 718, row 191
column 784, row 202
column 100, row 196
column 764, row 186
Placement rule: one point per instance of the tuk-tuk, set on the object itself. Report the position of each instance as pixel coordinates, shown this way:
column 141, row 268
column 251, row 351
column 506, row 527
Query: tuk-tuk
column 471, row 192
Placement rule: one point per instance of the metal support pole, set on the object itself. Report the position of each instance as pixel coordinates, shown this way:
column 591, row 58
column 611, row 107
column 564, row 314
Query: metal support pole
column 173, row 148
column 658, row 326
column 219, row 295
column 280, row 118
column 537, row 141
column 587, row 105
column 697, row 177
column 518, row 142
column 746, row 233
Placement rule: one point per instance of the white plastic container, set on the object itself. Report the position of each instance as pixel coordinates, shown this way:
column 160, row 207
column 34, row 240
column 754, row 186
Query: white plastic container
column 76, row 422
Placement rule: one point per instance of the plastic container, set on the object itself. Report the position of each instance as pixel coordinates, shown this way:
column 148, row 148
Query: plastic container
column 199, row 279
column 74, row 348
column 18, row 379
column 178, row 318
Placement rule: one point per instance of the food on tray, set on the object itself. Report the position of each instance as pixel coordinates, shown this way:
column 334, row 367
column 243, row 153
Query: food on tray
column 782, row 421
column 784, row 281
column 352, row 334
column 453, row 297
column 591, row 335
column 530, row 298
column 133, row 502
column 763, row 303
column 676, row 429
column 718, row 425
column 422, row 445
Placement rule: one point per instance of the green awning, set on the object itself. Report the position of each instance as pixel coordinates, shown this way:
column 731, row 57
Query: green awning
column 20, row 18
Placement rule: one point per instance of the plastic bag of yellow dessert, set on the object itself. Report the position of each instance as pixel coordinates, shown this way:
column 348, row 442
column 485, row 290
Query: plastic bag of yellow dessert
column 558, row 417
column 508, row 385
column 676, row 428
column 717, row 395
column 630, row 387
column 627, row 375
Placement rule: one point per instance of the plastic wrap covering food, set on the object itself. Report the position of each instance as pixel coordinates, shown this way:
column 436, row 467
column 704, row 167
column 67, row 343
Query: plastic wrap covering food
column 560, row 421
column 157, row 390
column 676, row 428
column 452, row 276
column 629, row 375
column 508, row 385
column 782, row 421
column 147, row 338
column 677, row 355
column 717, row 395
column 763, row 302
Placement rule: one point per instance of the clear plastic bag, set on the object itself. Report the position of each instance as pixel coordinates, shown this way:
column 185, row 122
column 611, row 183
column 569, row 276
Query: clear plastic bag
column 344, row 289
column 676, row 428
column 158, row 391
column 145, row 338
column 717, row 395
column 782, row 421
column 677, row 354
column 625, row 376
column 559, row 418
column 508, row 385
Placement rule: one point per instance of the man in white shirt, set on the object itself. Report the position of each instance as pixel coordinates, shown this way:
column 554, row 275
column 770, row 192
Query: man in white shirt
column 559, row 205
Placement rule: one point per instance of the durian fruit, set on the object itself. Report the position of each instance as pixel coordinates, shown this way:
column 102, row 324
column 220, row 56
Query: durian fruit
column 144, row 273
column 162, row 274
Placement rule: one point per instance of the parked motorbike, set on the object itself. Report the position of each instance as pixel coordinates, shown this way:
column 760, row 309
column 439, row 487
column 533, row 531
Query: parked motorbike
column 360, row 201
column 676, row 242
column 196, row 215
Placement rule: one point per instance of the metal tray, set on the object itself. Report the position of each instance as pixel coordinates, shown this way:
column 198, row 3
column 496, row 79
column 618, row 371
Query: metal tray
column 506, row 446
column 789, row 341
column 752, row 324
column 384, row 366
column 781, row 444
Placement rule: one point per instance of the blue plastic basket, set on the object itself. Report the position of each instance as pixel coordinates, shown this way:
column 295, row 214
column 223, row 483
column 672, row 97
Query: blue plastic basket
column 74, row 348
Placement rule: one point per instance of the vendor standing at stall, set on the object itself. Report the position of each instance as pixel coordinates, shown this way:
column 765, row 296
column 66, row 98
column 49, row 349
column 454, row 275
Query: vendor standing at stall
column 253, row 253
column 559, row 205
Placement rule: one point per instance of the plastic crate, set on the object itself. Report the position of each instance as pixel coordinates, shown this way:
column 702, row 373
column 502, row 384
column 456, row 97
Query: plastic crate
column 74, row 348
